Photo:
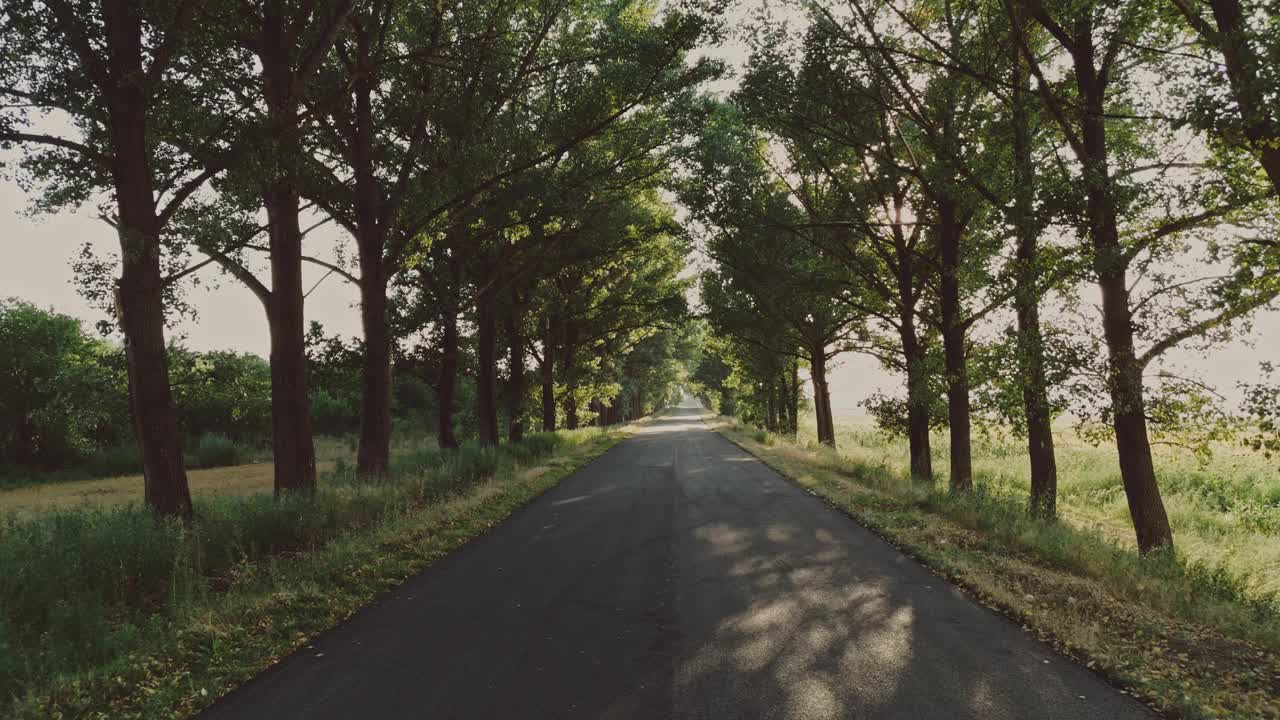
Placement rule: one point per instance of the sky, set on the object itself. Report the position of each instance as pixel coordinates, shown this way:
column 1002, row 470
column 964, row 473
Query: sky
column 38, row 269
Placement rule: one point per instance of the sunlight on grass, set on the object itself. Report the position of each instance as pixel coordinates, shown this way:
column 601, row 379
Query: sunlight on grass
column 1225, row 513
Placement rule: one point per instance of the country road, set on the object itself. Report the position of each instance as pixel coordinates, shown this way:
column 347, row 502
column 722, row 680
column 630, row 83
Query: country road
column 677, row 577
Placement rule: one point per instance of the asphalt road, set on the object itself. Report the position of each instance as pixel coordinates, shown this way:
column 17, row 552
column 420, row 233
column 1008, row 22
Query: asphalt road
column 677, row 577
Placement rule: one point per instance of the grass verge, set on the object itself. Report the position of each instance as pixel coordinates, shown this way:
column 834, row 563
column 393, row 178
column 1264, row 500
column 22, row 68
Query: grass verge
column 94, row 624
column 1190, row 641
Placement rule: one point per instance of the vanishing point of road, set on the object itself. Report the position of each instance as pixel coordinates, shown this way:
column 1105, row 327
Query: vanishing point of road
column 677, row 577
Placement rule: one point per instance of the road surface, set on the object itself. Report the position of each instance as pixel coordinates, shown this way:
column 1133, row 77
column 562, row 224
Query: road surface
column 677, row 577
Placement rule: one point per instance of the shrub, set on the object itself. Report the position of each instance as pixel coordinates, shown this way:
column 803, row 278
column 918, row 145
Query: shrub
column 217, row 450
column 115, row 461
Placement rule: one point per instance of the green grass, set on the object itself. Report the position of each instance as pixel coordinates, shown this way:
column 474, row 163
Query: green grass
column 1225, row 513
column 1197, row 634
column 109, row 612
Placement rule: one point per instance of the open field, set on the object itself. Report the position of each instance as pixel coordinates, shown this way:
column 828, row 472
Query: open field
column 332, row 454
column 108, row 492
column 1225, row 512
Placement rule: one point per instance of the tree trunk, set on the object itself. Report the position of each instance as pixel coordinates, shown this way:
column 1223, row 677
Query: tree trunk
column 818, row 408
column 821, row 395
column 486, row 381
column 950, row 232
column 571, row 381
column 548, row 369
column 515, row 381
column 294, row 451
column 771, row 406
column 571, row 407
column 1137, row 469
column 1031, row 364
column 793, row 406
column 139, row 298
column 913, row 356
column 446, row 386
column 374, row 454
column 917, row 401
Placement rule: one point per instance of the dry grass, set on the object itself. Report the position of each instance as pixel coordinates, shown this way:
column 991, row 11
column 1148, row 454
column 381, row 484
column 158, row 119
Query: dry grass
column 112, row 492
column 247, row 479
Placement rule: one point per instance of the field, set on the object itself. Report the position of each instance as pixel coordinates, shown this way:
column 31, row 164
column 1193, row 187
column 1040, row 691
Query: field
column 1224, row 512
column 332, row 454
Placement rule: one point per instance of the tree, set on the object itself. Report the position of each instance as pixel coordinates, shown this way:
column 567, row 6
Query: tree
column 127, row 80
column 1131, row 223
column 60, row 388
column 770, row 271
column 860, row 196
column 1247, row 37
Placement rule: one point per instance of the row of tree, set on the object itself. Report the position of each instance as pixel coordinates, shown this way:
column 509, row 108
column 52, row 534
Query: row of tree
column 954, row 187
column 494, row 164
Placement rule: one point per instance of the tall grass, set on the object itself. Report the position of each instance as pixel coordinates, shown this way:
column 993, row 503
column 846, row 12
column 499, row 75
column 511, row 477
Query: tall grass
column 1225, row 512
column 77, row 584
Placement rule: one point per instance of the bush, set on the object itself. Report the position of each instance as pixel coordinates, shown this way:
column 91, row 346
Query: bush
column 115, row 461
column 333, row 414
column 217, row 450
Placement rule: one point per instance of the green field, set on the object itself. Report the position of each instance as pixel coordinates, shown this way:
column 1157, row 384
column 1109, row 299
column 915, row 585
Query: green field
column 1225, row 512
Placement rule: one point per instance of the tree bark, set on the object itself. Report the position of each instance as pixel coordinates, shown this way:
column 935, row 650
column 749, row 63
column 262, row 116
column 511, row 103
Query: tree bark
column 486, row 380
column 950, row 232
column 139, row 293
column 1137, row 469
column 771, row 406
column 446, row 385
column 821, row 395
column 917, row 401
column 1031, row 363
column 793, row 406
column 515, row 381
column 548, row 368
column 571, row 381
column 294, row 451
column 1245, row 74
column 913, row 356
column 374, row 454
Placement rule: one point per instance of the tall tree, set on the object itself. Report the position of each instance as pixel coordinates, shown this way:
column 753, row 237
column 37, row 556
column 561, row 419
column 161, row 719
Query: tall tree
column 1247, row 38
column 127, row 80
column 1130, row 222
